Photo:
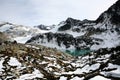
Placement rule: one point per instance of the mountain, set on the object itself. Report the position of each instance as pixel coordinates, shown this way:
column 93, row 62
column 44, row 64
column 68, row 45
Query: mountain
column 35, row 62
column 72, row 34
column 19, row 33
column 22, row 61
column 44, row 27
column 98, row 43
column 112, row 14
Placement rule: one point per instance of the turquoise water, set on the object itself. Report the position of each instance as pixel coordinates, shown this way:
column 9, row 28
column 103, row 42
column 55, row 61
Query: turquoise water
column 78, row 52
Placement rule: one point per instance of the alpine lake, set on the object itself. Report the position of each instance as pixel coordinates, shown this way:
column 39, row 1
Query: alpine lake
column 78, row 52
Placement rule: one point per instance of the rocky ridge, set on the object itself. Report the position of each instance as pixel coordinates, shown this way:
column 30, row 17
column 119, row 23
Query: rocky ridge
column 74, row 34
column 31, row 61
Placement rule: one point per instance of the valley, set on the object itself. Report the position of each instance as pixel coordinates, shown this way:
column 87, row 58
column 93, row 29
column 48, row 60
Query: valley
column 70, row 50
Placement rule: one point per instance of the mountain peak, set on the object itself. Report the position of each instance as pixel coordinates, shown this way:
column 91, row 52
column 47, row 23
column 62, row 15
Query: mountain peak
column 112, row 14
column 114, row 11
column 70, row 20
column 115, row 8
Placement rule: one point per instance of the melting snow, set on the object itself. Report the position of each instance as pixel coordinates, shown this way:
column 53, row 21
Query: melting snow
column 114, row 73
column 22, row 39
column 1, row 64
column 87, row 68
column 35, row 74
column 76, row 78
column 99, row 78
column 14, row 62
column 109, row 40
column 63, row 78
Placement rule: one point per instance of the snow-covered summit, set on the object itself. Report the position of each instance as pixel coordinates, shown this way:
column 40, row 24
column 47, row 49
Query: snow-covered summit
column 72, row 33
column 19, row 32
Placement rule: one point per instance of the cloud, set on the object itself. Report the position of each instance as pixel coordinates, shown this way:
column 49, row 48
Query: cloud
column 34, row 12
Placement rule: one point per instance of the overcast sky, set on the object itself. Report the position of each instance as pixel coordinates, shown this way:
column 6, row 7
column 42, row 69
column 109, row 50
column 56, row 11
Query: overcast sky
column 48, row 12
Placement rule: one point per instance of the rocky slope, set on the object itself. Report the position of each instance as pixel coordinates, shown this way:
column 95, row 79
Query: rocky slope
column 19, row 61
column 3, row 37
column 74, row 34
column 32, row 62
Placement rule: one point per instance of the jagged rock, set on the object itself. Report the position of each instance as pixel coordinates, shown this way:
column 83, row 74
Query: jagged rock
column 32, row 61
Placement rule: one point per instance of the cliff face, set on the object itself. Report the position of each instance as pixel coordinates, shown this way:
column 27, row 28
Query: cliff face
column 113, row 14
column 73, row 34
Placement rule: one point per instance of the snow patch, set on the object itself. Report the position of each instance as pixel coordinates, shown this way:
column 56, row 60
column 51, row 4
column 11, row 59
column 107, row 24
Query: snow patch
column 114, row 73
column 63, row 78
column 86, row 69
column 14, row 62
column 77, row 78
column 99, row 78
column 35, row 74
column 1, row 64
column 109, row 40
column 22, row 39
